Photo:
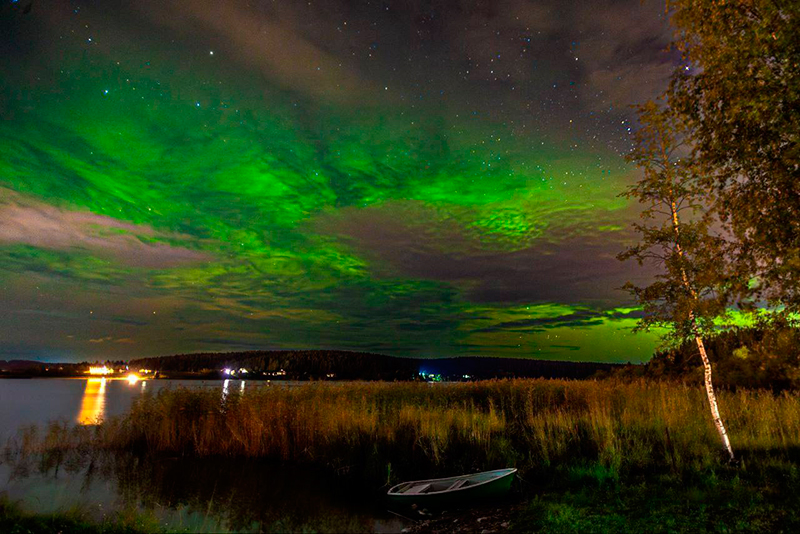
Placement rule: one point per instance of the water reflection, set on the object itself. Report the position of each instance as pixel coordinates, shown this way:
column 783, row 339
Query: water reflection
column 225, row 389
column 93, row 405
column 210, row 495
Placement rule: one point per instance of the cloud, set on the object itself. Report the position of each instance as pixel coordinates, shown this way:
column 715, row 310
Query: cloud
column 266, row 38
column 24, row 220
column 123, row 340
column 578, row 319
column 572, row 261
column 624, row 52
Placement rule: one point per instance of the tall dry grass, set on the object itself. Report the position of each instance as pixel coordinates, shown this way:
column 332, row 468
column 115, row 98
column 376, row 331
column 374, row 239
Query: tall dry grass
column 390, row 431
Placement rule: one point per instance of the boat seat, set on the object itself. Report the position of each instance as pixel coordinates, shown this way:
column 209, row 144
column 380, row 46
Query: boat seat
column 458, row 483
column 422, row 488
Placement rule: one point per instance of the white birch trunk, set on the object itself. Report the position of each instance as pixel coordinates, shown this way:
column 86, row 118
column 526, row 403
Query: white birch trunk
column 712, row 398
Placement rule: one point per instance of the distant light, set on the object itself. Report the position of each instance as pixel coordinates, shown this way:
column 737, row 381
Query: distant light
column 105, row 91
column 227, row 371
column 210, row 52
column 100, row 370
column 198, row 105
column 133, row 378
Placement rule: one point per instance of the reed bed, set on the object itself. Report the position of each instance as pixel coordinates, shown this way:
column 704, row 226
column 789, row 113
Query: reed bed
column 389, row 431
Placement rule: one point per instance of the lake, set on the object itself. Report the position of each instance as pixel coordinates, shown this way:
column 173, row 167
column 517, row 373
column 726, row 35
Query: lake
column 37, row 401
column 195, row 494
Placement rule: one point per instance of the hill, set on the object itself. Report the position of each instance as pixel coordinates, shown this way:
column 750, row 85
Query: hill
column 346, row 365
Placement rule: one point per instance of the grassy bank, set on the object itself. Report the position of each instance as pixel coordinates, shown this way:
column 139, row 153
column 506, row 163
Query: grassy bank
column 384, row 432
column 707, row 506
column 15, row 520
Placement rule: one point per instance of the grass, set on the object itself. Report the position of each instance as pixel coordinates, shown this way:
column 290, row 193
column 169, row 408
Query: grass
column 594, row 456
column 383, row 432
column 718, row 506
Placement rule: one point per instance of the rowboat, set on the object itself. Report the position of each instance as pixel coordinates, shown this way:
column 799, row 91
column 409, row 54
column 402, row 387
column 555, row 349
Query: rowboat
column 453, row 490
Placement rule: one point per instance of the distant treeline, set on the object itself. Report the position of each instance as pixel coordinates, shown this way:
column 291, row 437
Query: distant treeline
column 763, row 356
column 345, row 365
column 297, row 364
column 487, row 367
column 29, row 368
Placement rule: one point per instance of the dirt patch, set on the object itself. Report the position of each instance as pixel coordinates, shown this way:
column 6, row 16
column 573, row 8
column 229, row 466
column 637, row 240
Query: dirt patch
column 483, row 519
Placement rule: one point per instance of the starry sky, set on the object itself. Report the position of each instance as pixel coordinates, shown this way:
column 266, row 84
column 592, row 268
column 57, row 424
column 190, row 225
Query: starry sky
column 410, row 177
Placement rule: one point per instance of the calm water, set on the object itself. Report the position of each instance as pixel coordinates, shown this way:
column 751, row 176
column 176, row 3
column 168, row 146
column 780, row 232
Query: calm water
column 201, row 495
column 38, row 401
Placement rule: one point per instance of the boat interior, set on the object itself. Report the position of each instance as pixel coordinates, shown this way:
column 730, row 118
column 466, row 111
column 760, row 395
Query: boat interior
column 415, row 488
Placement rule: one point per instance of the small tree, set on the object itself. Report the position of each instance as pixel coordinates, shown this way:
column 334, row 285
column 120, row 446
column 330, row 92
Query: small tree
column 690, row 290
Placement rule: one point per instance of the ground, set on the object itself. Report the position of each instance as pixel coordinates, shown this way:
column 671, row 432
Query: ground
column 484, row 519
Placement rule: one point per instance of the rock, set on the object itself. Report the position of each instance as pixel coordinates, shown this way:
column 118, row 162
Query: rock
column 505, row 524
column 482, row 519
column 487, row 531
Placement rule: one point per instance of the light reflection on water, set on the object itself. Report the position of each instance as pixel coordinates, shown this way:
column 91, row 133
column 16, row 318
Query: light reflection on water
column 225, row 388
column 93, row 402
column 93, row 405
column 82, row 401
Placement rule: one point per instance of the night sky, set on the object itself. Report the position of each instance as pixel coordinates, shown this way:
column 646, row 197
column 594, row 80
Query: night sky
column 420, row 178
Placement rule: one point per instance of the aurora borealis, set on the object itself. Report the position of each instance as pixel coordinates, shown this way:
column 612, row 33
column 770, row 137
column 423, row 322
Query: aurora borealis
column 414, row 178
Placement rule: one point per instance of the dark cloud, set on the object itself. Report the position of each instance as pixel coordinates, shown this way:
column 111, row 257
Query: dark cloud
column 578, row 319
column 539, row 324
column 535, row 64
column 570, row 262
column 266, row 37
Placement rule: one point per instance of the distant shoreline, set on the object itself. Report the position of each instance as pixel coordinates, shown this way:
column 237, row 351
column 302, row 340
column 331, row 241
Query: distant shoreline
column 313, row 365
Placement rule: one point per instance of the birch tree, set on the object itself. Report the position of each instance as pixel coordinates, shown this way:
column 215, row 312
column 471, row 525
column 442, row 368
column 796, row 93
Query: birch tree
column 690, row 290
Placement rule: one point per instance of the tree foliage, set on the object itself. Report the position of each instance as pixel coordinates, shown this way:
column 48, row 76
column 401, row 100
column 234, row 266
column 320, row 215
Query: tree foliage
column 738, row 94
column 692, row 289
column 765, row 355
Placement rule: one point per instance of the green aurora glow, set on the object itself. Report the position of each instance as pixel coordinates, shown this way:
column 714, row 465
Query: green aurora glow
column 156, row 212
